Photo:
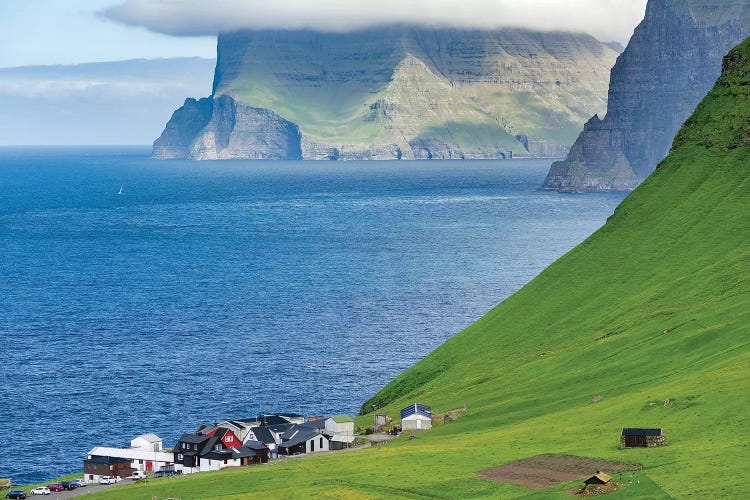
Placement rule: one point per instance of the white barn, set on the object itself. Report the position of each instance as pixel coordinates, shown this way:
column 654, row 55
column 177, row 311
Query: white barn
column 416, row 417
column 151, row 442
column 340, row 425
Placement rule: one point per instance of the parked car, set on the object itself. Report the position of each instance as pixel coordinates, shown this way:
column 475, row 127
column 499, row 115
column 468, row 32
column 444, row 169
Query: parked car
column 40, row 490
column 16, row 494
column 107, row 480
column 56, row 487
column 80, row 483
column 136, row 475
column 68, row 485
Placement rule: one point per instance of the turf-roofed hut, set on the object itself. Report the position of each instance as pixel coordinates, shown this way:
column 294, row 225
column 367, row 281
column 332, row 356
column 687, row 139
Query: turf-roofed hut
column 642, row 437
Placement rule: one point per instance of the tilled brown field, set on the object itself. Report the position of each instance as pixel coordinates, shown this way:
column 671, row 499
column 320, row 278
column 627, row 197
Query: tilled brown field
column 544, row 471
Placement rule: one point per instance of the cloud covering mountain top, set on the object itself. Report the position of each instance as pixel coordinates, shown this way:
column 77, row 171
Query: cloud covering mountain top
column 605, row 19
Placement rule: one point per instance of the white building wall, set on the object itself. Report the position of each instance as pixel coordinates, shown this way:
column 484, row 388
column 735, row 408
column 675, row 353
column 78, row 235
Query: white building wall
column 416, row 423
column 334, row 427
column 141, row 442
column 321, row 444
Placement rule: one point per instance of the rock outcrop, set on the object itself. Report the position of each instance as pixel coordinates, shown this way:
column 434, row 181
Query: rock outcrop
column 671, row 62
column 393, row 93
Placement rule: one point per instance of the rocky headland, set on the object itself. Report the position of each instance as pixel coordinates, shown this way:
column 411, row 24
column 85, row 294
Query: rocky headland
column 393, row 93
column 671, row 62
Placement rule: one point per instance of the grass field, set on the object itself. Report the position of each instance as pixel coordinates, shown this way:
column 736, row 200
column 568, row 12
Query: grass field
column 653, row 307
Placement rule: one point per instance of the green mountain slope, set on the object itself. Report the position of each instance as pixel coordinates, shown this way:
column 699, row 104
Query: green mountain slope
column 651, row 313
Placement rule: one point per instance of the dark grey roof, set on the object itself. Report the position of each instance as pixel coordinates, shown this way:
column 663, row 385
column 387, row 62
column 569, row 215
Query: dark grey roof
column 194, row 438
column 209, row 445
column 255, row 445
column 315, row 424
column 204, row 429
column 221, row 432
column 230, row 453
column 641, row 431
column 300, row 436
column 418, row 409
column 291, row 432
column 272, row 419
column 106, row 460
column 280, row 427
column 263, row 435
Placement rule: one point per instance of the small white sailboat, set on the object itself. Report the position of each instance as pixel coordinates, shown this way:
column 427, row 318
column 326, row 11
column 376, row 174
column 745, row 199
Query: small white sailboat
column 120, row 191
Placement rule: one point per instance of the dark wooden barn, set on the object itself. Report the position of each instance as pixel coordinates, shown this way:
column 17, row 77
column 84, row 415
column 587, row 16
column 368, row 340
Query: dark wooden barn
column 642, row 437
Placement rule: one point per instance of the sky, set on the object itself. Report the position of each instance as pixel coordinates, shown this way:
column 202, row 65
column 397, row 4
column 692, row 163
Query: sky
column 36, row 32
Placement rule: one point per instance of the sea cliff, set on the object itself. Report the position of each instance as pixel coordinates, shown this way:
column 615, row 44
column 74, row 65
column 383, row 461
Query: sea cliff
column 393, row 93
column 671, row 62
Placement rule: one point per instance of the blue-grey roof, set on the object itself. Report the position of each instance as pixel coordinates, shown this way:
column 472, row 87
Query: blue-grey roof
column 315, row 424
column 641, row 431
column 272, row 419
column 255, row 445
column 298, row 437
column 263, row 435
column 418, row 409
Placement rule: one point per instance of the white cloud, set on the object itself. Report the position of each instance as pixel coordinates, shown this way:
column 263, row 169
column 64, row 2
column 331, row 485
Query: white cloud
column 605, row 19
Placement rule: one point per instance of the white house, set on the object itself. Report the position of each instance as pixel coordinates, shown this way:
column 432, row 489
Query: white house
column 151, row 442
column 140, row 458
column 340, row 425
column 303, row 440
column 416, row 417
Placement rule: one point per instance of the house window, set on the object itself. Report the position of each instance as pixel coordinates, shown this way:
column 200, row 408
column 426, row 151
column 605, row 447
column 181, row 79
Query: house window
column 312, row 445
column 91, row 477
column 321, row 443
column 179, row 456
column 228, row 439
column 217, row 447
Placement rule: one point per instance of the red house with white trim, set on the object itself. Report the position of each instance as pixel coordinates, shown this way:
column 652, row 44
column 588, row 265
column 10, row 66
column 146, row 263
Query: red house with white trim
column 228, row 438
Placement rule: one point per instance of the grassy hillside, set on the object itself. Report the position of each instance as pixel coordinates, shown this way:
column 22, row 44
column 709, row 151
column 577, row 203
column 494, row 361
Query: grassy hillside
column 653, row 307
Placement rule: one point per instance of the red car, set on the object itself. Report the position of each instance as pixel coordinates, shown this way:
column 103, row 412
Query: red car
column 56, row 487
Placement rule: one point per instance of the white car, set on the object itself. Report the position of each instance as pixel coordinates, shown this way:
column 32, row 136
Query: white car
column 107, row 480
column 41, row 490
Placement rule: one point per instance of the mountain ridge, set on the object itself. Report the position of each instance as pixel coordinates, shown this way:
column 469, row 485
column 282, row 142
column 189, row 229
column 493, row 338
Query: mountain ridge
column 409, row 93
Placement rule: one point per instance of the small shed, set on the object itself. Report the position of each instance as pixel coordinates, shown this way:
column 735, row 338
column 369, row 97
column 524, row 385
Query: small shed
column 642, row 437
column 598, row 478
column 416, row 417
column 382, row 419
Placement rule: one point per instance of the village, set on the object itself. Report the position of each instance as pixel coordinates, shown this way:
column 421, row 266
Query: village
column 277, row 436
column 244, row 442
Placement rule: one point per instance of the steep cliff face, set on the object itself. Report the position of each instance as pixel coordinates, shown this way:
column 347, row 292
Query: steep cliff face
column 393, row 93
column 671, row 62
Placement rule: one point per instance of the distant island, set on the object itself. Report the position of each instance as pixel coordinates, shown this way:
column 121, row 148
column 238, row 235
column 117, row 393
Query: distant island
column 393, row 93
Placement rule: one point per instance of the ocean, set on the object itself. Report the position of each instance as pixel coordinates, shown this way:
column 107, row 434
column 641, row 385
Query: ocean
column 215, row 290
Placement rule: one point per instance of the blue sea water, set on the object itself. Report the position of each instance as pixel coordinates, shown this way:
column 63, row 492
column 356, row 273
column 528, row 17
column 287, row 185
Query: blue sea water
column 214, row 290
